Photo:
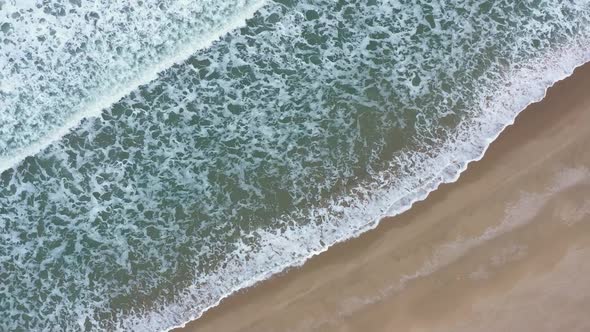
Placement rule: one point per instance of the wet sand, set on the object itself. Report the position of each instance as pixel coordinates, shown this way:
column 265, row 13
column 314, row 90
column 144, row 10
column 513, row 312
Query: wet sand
column 506, row 247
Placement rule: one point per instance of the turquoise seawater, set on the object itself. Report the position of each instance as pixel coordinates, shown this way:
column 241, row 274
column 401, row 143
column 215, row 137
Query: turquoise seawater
column 157, row 156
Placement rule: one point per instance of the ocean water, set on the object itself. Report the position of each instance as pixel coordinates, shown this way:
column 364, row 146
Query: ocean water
column 157, row 156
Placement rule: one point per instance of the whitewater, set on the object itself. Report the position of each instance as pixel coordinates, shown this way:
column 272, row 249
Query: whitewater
column 159, row 156
column 54, row 85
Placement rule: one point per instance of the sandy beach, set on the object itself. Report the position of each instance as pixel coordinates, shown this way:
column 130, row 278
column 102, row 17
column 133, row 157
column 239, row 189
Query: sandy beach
column 506, row 247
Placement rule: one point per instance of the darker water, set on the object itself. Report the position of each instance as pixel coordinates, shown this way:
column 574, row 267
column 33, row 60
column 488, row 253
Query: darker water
column 296, row 130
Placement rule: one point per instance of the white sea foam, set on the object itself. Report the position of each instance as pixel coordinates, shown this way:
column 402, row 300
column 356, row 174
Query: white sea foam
column 72, row 80
column 526, row 86
column 168, row 184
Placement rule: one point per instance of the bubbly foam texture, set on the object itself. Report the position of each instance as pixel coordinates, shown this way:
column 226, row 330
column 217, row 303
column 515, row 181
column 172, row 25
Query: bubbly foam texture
column 286, row 136
column 61, row 61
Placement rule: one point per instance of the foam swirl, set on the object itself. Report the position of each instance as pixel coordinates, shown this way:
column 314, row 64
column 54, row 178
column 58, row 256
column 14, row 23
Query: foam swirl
column 297, row 131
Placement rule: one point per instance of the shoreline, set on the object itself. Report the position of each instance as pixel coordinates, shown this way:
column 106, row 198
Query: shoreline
column 383, row 207
column 348, row 254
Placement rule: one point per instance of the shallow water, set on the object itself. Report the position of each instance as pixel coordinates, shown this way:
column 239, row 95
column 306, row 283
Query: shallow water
column 227, row 161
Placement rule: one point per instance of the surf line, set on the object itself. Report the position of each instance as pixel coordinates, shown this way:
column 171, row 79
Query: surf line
column 148, row 75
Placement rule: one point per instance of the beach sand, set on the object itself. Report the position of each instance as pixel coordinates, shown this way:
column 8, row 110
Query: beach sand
column 506, row 247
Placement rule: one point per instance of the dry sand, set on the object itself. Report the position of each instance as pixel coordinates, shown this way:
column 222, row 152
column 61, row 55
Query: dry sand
column 506, row 247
